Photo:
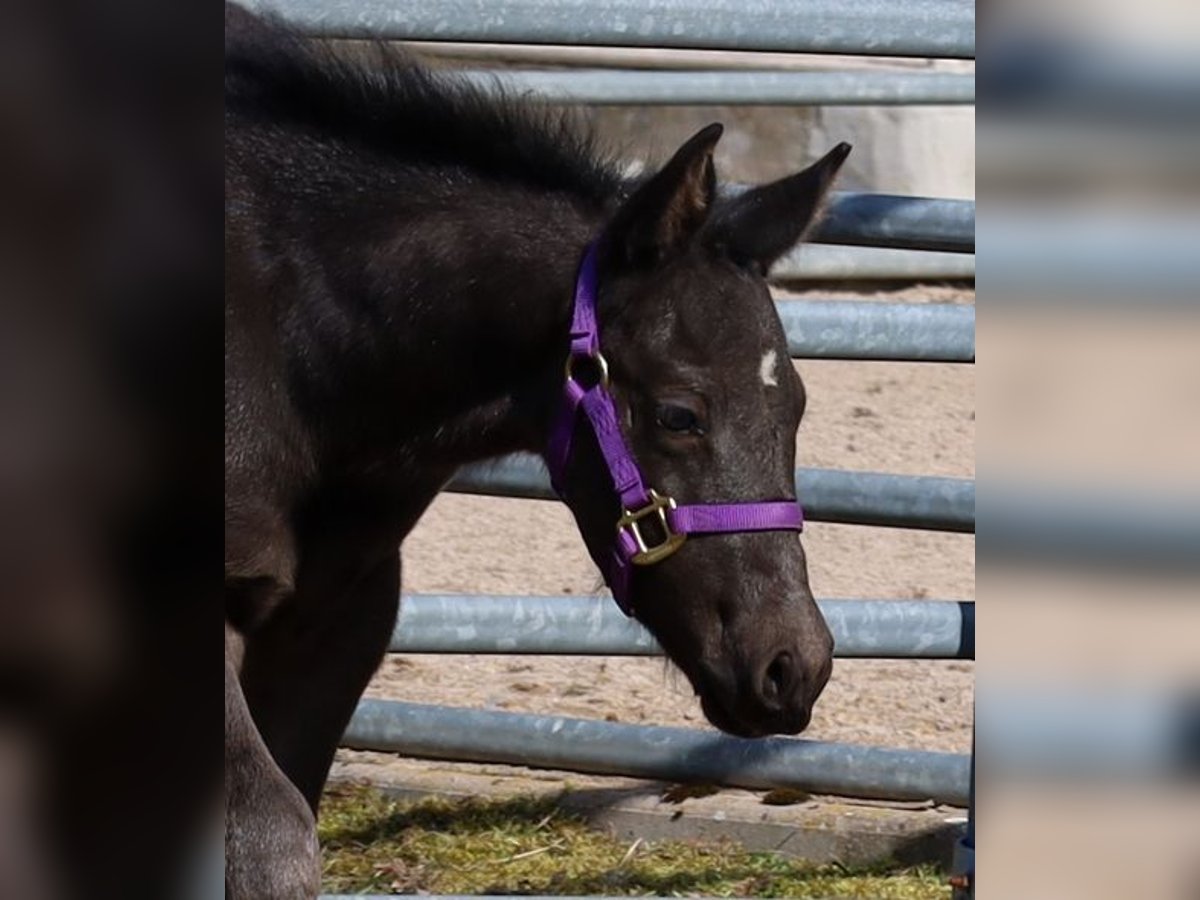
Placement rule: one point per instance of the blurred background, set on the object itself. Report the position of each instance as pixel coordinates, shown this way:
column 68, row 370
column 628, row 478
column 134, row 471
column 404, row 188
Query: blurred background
column 1089, row 514
column 110, row 472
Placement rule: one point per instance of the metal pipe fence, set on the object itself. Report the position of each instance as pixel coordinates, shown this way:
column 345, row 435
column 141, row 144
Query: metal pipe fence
column 906, row 223
column 584, row 56
column 835, row 263
column 654, row 752
column 591, row 626
column 828, row 495
column 613, row 87
column 863, row 330
column 922, row 28
column 892, row 221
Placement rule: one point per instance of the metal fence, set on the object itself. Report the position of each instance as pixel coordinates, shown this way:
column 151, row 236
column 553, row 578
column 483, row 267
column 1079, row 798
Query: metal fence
column 589, row 626
column 921, row 28
column 669, row 754
column 602, row 87
column 891, row 226
column 829, row 495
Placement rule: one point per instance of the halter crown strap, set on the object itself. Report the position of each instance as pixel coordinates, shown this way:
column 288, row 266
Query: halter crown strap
column 635, row 544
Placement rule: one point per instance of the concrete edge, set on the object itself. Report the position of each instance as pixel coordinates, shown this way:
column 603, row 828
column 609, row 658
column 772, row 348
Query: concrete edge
column 816, row 829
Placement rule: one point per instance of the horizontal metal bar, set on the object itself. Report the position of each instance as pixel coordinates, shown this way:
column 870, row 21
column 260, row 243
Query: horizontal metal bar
column 905, row 223
column 828, row 495
column 700, row 88
column 656, row 58
column 591, row 626
column 830, row 262
column 924, row 28
column 672, row 754
column 893, row 221
column 876, row 498
column 848, row 329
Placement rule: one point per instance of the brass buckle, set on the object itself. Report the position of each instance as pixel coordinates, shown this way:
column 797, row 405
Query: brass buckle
column 658, row 505
column 598, row 359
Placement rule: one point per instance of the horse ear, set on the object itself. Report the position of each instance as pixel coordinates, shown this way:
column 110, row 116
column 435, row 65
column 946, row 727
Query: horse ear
column 664, row 212
column 757, row 227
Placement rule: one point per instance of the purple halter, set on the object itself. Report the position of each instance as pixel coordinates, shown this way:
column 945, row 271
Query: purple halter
column 638, row 502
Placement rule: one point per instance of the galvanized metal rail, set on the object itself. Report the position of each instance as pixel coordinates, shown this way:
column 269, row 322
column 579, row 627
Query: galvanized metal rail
column 720, row 88
column 923, row 28
column 828, row 495
column 644, row 751
column 908, row 223
column 834, row 262
column 591, row 626
column 894, row 221
column 902, row 332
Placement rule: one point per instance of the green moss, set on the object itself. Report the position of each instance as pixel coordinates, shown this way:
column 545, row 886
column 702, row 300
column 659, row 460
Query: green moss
column 527, row 845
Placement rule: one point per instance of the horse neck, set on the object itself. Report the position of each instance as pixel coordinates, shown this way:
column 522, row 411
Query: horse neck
column 476, row 297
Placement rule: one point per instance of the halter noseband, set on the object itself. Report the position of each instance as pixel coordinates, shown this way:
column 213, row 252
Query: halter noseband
column 638, row 502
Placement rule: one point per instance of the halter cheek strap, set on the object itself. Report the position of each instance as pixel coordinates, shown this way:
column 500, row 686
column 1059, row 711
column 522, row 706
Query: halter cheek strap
column 640, row 504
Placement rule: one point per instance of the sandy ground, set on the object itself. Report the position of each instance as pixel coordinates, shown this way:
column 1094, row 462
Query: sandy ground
column 893, row 417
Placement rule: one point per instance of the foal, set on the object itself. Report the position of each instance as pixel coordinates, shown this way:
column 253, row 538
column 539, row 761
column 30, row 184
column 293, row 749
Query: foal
column 405, row 259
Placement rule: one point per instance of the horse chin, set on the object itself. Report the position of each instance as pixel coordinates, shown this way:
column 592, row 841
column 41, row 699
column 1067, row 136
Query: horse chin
column 728, row 721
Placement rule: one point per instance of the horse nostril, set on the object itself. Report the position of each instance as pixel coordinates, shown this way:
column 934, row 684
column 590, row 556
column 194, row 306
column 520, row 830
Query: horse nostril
column 778, row 680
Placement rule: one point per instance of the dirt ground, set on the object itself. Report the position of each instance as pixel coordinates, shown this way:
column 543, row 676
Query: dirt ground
column 912, row 418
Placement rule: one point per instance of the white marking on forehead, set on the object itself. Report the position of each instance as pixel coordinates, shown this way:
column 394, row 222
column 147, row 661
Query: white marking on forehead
column 766, row 369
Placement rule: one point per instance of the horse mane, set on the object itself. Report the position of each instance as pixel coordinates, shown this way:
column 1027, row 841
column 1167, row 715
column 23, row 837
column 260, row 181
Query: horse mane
column 379, row 96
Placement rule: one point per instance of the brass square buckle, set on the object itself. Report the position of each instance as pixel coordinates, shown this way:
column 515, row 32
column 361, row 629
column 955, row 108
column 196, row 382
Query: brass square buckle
column 648, row 555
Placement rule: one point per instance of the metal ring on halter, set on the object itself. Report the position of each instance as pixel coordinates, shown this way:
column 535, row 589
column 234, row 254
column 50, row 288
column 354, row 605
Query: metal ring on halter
column 598, row 359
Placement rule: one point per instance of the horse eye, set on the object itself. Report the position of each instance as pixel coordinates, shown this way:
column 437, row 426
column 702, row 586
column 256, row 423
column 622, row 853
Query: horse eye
column 678, row 418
